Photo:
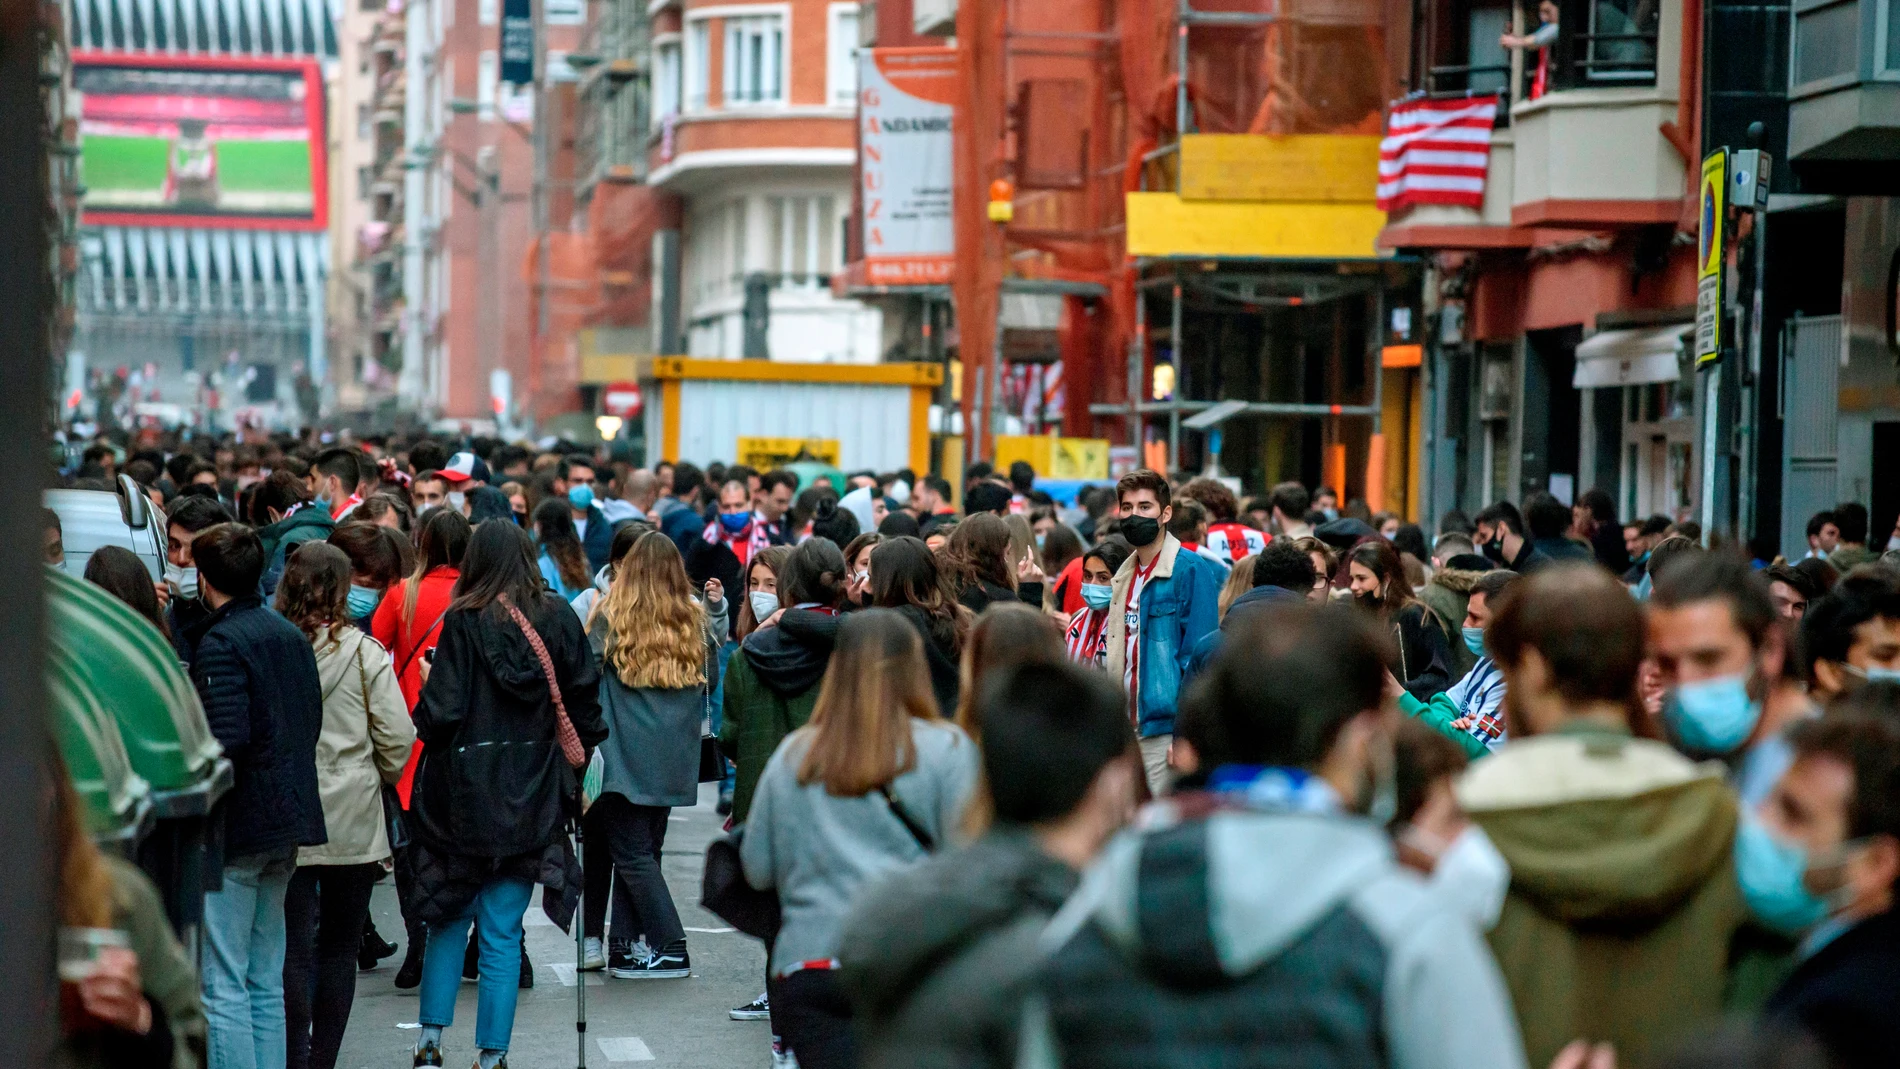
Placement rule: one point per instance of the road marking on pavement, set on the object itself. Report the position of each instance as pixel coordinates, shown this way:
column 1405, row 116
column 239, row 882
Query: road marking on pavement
column 713, row 931
column 625, row 1049
column 679, row 820
column 564, row 971
column 408, row 1024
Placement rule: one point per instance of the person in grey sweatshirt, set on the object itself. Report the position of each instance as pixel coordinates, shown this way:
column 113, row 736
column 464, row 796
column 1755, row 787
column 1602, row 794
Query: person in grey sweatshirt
column 1264, row 920
column 871, row 785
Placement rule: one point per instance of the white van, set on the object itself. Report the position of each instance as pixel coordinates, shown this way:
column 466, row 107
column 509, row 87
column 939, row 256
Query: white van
column 89, row 519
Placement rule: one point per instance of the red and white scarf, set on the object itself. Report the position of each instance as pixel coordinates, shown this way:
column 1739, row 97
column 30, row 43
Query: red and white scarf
column 1088, row 637
column 753, row 537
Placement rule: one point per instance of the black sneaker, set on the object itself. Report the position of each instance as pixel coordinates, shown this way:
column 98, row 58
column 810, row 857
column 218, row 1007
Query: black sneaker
column 428, row 1054
column 621, row 958
column 668, row 964
column 759, row 1009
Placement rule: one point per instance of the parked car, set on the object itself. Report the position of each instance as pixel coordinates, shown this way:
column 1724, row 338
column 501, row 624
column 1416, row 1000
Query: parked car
column 92, row 518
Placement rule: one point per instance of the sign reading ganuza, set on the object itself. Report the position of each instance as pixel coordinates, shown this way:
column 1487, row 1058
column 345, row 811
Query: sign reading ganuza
column 904, row 164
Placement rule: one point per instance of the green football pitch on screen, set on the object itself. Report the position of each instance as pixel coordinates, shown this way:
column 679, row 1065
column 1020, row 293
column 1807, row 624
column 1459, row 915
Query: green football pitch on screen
column 253, row 177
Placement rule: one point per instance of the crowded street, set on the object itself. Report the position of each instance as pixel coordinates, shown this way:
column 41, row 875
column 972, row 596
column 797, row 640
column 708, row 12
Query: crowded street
column 950, row 534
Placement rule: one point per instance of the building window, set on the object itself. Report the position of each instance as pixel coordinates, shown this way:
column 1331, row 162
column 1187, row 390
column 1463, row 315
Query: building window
column 754, row 60
column 666, row 79
column 802, row 245
column 487, row 12
column 841, row 69
column 1621, row 41
column 698, row 71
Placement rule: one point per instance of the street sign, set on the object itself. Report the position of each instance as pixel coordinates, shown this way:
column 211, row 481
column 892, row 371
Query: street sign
column 517, row 42
column 622, row 399
column 1712, row 258
column 763, row 454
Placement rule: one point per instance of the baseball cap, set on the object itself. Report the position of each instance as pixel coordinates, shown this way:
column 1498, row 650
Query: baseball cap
column 463, row 467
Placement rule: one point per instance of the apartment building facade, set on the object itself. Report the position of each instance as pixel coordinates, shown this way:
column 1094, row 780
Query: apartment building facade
column 753, row 109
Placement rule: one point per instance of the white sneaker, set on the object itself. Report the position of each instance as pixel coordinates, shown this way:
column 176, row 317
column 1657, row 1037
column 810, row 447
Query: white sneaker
column 783, row 1059
column 593, row 956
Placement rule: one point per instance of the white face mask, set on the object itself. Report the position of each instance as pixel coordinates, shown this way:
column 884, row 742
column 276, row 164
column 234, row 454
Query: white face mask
column 764, row 604
column 1893, row 543
column 183, row 581
column 458, row 501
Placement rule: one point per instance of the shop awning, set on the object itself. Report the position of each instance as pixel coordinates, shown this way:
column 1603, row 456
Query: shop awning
column 1630, row 357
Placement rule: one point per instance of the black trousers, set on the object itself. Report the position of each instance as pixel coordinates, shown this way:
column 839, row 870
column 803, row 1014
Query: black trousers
column 811, row 1014
column 633, row 835
column 601, row 886
column 323, row 919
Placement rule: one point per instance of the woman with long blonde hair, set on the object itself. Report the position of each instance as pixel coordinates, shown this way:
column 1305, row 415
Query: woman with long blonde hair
column 657, row 657
column 873, row 783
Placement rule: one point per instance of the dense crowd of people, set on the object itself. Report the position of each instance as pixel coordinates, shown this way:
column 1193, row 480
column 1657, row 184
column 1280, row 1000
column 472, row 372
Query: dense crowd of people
column 1161, row 776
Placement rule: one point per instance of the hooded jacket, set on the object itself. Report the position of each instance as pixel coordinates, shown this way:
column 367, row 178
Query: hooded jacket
column 1448, row 594
column 1251, row 937
column 311, row 523
column 366, row 739
column 771, row 686
column 493, row 782
column 1623, row 897
column 936, row 958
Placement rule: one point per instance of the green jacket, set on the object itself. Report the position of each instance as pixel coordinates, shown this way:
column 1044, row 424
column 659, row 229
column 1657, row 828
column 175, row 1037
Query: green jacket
column 170, row 982
column 1446, row 594
column 1438, row 714
column 757, row 717
column 1847, row 558
column 1623, row 901
column 311, row 523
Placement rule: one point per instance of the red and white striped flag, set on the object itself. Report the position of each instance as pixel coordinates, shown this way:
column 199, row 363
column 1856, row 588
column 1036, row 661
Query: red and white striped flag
column 1435, row 152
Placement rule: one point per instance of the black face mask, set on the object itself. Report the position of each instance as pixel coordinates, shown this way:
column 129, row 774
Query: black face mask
column 1140, row 530
column 1494, row 549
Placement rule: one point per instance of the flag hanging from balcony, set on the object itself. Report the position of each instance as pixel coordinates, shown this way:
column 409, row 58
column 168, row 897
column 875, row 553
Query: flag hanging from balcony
column 1435, row 152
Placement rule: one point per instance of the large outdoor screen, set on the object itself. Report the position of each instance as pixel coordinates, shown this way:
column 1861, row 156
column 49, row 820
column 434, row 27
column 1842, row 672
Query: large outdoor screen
column 188, row 141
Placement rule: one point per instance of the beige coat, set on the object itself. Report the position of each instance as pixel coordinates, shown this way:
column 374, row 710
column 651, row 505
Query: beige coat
column 366, row 739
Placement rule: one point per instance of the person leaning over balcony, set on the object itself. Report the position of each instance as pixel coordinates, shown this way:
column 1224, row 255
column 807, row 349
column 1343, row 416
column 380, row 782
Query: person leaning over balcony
column 1541, row 39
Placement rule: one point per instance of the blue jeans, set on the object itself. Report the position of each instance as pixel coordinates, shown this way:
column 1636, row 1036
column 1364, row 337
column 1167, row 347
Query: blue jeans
column 496, row 911
column 719, row 713
column 243, row 964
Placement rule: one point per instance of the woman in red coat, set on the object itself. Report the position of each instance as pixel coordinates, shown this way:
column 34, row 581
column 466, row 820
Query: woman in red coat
column 408, row 623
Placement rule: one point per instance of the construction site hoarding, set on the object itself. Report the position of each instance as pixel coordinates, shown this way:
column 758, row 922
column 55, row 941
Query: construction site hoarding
column 213, row 141
column 1164, row 224
column 906, row 103
column 1341, row 168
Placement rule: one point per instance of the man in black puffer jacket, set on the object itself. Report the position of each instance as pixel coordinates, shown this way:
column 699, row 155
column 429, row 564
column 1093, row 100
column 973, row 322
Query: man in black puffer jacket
column 257, row 677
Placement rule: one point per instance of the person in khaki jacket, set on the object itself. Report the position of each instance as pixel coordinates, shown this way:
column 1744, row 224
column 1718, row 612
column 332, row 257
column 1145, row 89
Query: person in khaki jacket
column 365, row 741
column 1623, row 897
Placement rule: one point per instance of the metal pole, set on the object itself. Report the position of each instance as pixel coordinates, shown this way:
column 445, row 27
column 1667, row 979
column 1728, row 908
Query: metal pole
column 1135, row 345
column 1182, row 11
column 1747, row 426
column 1180, row 375
column 1711, row 422
column 28, row 1000
column 543, row 115
column 488, row 208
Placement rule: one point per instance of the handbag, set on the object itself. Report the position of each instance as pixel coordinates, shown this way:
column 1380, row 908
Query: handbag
column 564, row 732
column 397, row 826
column 724, row 892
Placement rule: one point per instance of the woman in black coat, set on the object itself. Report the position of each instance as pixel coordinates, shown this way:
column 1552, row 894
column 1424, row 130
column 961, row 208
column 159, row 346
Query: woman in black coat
column 1377, row 579
column 494, row 789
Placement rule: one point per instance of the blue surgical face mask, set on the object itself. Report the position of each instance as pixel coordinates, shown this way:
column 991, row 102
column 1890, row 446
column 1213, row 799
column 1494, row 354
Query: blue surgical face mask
column 1770, row 872
column 363, row 600
column 1474, row 640
column 1711, row 717
column 1641, row 593
column 1875, row 674
column 735, row 521
column 580, row 497
column 1096, row 595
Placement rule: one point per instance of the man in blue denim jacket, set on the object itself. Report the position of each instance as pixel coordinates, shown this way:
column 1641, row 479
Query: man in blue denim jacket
column 1164, row 601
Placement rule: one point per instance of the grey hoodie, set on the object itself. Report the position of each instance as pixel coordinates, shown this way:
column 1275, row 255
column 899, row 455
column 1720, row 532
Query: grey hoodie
column 1245, row 937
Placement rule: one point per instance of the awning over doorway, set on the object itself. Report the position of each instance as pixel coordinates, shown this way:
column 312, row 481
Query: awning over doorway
column 1630, row 357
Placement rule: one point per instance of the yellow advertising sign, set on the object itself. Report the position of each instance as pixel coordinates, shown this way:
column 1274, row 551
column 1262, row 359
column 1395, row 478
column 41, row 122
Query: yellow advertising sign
column 1055, row 458
column 764, row 454
column 1299, row 167
column 1711, row 258
column 1165, row 224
